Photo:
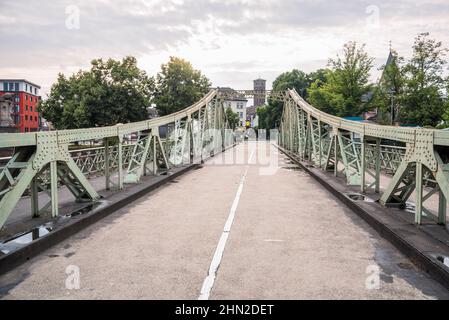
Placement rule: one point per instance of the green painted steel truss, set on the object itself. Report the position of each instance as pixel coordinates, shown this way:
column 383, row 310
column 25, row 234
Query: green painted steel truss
column 418, row 158
column 42, row 162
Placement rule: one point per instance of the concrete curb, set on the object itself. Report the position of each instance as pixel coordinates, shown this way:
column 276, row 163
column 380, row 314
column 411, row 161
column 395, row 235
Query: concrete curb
column 409, row 246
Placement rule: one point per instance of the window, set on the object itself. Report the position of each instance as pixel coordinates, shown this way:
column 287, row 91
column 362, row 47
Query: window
column 35, row 91
column 35, row 119
column 26, row 108
column 26, row 129
column 16, row 86
column 31, row 108
column 17, row 108
column 17, row 99
column 26, row 117
column 16, row 119
column 11, row 86
column 26, row 97
column 5, row 86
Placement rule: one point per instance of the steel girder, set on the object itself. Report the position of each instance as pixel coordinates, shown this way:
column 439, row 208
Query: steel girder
column 422, row 166
column 41, row 161
column 24, row 168
column 148, row 154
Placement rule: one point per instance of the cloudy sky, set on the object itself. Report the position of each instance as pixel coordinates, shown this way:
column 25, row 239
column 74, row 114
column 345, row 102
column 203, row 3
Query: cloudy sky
column 231, row 41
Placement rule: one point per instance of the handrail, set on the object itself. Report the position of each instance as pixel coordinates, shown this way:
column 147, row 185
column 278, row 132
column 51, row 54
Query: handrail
column 406, row 135
column 73, row 135
column 326, row 141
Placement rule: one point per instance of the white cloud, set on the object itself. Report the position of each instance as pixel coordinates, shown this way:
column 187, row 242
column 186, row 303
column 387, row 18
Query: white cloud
column 231, row 41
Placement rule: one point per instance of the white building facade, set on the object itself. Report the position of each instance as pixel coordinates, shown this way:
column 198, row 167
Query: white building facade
column 238, row 105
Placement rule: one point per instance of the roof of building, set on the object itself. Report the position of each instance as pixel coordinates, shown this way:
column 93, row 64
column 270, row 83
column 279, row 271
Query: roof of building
column 231, row 94
column 20, row 80
column 252, row 110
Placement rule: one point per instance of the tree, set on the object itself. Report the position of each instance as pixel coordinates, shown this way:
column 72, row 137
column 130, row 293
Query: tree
column 319, row 76
column 423, row 103
column 178, row 86
column 233, row 118
column 347, row 84
column 265, row 117
column 389, row 90
column 295, row 79
column 270, row 114
column 110, row 92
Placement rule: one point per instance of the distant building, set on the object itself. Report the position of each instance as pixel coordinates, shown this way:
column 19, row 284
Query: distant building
column 46, row 125
column 237, row 102
column 25, row 115
column 252, row 117
column 7, row 113
column 260, row 88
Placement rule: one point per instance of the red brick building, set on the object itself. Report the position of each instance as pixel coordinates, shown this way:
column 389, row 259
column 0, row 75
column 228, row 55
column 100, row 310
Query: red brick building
column 26, row 117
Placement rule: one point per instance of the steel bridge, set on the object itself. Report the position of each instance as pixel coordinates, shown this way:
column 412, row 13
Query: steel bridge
column 412, row 164
column 41, row 161
column 418, row 156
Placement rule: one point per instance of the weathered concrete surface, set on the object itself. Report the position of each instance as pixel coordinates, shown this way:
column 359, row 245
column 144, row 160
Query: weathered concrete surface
column 290, row 240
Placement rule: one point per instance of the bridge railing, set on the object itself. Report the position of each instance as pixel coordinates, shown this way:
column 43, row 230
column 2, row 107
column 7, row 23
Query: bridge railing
column 357, row 150
column 42, row 161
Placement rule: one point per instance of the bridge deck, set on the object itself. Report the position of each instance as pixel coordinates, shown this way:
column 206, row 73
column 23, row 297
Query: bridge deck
column 290, row 239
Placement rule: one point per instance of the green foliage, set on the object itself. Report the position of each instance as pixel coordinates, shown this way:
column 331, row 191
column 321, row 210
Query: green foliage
column 233, row 118
column 324, row 95
column 110, row 92
column 294, row 79
column 270, row 114
column 389, row 89
column 345, row 85
column 178, row 86
column 265, row 120
column 422, row 102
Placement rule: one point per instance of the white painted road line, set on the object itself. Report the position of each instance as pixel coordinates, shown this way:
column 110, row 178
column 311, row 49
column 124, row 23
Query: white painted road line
column 216, row 260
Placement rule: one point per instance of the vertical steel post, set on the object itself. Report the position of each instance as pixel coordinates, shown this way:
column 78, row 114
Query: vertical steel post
column 120, row 163
column 442, row 203
column 54, row 188
column 336, row 153
column 34, row 198
column 309, row 138
column 190, row 138
column 377, row 165
column 107, row 172
column 320, row 146
column 363, row 165
column 419, row 192
column 154, row 153
column 175, row 160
